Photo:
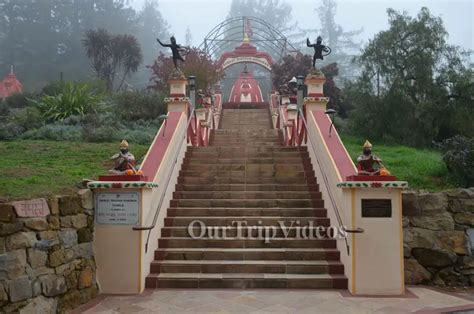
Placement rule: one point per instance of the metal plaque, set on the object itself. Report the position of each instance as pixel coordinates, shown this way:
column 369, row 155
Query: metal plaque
column 117, row 208
column 377, row 208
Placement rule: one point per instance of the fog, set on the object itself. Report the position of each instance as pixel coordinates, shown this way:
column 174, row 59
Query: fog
column 202, row 15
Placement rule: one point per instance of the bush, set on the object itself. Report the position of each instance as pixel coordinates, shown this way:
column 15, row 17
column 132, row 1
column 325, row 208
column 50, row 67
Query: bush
column 10, row 131
column 73, row 99
column 19, row 100
column 27, row 118
column 144, row 105
column 458, row 154
column 54, row 132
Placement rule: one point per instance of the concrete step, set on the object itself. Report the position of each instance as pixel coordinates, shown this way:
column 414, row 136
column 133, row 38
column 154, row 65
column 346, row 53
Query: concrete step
column 247, row 231
column 246, row 266
column 249, row 203
column 247, row 187
column 239, row 211
column 244, row 154
column 246, row 180
column 246, row 173
column 246, row 281
column 187, row 242
column 247, row 254
column 247, row 167
column 242, row 161
column 250, row 220
column 211, row 195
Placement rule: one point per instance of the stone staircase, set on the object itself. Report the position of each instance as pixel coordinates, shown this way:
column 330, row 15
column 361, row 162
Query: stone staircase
column 246, row 175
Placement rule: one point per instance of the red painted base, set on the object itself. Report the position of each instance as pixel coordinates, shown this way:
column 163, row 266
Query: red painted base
column 114, row 177
column 371, row 178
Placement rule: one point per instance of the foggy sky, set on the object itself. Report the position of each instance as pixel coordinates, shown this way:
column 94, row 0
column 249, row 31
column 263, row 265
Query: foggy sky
column 202, row 15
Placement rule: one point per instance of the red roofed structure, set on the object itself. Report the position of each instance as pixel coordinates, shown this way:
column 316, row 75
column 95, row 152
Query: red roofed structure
column 246, row 89
column 10, row 85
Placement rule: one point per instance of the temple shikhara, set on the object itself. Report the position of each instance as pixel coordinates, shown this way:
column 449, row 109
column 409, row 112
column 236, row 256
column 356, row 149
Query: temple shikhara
column 10, row 85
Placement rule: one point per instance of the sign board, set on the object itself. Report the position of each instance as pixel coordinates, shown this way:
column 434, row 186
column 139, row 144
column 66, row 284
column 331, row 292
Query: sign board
column 235, row 60
column 117, row 208
column 31, row 208
column 376, row 208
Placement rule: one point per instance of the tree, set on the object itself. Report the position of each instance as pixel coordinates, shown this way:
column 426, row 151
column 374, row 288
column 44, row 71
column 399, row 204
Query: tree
column 299, row 64
column 413, row 85
column 111, row 54
column 197, row 63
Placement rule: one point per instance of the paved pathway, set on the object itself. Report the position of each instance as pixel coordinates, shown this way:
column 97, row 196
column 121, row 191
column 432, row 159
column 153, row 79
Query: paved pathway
column 418, row 299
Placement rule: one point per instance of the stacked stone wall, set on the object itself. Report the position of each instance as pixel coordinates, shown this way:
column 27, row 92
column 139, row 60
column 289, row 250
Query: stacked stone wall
column 47, row 263
column 438, row 237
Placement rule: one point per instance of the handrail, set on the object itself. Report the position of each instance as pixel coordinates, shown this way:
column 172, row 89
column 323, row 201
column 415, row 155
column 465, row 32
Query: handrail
column 157, row 210
column 326, row 183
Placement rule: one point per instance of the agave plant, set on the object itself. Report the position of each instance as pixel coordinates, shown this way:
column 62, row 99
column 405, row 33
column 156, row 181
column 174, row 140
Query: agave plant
column 74, row 99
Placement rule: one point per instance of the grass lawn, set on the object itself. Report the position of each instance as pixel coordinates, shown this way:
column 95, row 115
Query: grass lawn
column 423, row 169
column 42, row 168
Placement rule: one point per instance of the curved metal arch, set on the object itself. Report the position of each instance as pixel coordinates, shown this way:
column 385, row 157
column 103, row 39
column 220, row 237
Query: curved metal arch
column 269, row 38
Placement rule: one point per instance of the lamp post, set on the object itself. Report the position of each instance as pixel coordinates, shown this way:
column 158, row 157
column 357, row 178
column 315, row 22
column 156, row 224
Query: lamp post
column 192, row 90
column 300, row 84
column 331, row 113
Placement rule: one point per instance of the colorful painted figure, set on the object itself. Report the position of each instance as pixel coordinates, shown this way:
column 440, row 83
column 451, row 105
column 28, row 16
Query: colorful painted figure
column 124, row 160
column 319, row 48
column 366, row 162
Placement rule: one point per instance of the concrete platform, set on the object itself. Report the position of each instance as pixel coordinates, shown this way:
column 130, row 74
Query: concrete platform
column 417, row 300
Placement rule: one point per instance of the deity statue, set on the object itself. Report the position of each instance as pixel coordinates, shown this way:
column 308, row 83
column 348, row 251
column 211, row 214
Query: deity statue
column 318, row 49
column 366, row 161
column 175, row 49
column 124, row 161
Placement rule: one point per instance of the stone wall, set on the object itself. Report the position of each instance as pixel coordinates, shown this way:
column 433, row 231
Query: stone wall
column 46, row 263
column 437, row 245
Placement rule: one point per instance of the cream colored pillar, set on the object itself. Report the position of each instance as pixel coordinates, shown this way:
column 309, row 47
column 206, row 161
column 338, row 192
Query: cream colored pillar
column 177, row 102
column 315, row 100
column 376, row 253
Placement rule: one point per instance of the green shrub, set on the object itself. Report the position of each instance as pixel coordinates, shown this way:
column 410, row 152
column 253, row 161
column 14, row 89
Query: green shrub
column 10, row 131
column 73, row 99
column 27, row 118
column 54, row 132
column 19, row 100
column 458, row 154
column 142, row 105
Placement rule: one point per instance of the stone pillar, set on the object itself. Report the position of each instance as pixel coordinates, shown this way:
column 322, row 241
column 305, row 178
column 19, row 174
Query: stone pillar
column 376, row 253
column 177, row 102
column 315, row 100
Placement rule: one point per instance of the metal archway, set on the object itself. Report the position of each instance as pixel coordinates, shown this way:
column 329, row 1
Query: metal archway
column 230, row 33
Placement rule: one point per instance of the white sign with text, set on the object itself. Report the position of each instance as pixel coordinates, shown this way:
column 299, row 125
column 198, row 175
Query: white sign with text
column 117, row 208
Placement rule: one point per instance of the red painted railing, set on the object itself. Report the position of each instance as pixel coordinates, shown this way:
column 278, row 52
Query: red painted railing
column 202, row 121
column 290, row 120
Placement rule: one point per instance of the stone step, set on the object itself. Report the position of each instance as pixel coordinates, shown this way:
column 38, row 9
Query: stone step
column 249, row 203
column 250, row 220
column 248, row 149
column 247, row 143
column 187, row 242
column 246, row 231
column 246, row 281
column 246, row 155
column 211, row 195
column 273, row 132
column 247, row 254
column 246, row 180
column 247, row 187
column 243, row 161
column 246, row 266
column 269, row 167
column 239, row 211
column 221, row 174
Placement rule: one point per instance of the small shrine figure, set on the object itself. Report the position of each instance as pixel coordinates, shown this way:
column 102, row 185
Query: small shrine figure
column 124, row 161
column 318, row 49
column 175, row 49
column 366, row 161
